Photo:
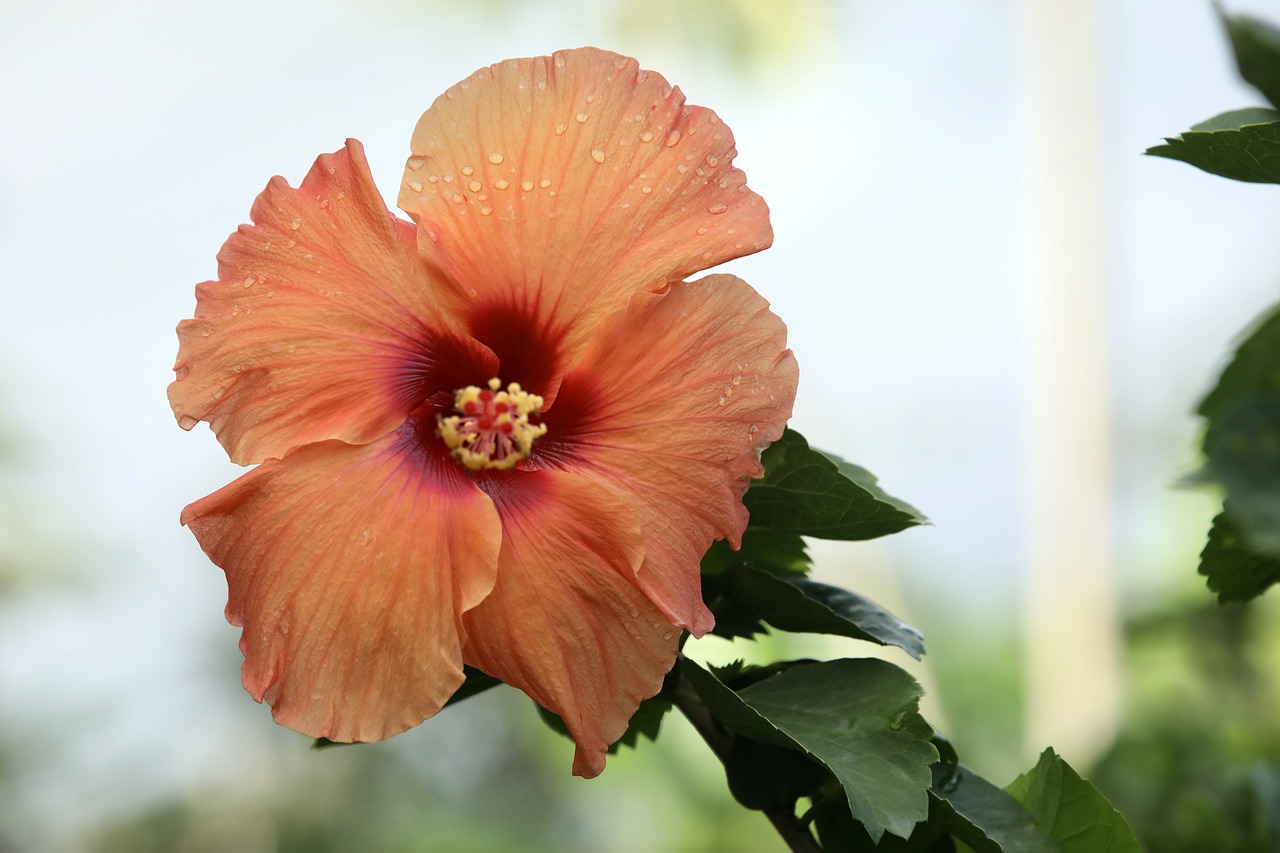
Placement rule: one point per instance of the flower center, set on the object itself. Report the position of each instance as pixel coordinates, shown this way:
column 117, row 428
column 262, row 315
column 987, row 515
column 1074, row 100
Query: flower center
column 493, row 430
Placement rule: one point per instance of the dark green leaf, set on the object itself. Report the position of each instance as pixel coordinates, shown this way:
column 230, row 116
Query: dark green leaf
column 797, row 604
column 1232, row 119
column 859, row 718
column 646, row 721
column 762, row 776
column 773, row 551
column 1071, row 810
column 1242, row 152
column 1257, row 48
column 804, row 492
column 1235, row 571
column 985, row 817
column 474, row 682
column 1242, row 437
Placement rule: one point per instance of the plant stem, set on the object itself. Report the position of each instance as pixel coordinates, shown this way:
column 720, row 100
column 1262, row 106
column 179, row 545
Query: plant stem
column 782, row 816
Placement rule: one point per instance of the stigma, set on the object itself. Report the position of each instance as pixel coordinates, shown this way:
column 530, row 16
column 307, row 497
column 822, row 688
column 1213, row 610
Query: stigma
column 492, row 430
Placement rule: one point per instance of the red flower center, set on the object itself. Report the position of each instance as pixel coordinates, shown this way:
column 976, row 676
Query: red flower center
column 493, row 430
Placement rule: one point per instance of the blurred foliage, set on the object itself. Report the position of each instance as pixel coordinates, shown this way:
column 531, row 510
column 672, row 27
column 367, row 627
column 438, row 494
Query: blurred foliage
column 1197, row 765
column 753, row 37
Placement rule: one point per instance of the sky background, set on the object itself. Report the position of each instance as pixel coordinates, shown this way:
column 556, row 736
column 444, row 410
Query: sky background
column 891, row 141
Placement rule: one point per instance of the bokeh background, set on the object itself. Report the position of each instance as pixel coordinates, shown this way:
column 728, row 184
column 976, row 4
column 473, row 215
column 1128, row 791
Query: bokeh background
column 944, row 177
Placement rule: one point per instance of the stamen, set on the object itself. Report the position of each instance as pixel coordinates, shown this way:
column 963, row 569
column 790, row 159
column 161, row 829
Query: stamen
column 493, row 430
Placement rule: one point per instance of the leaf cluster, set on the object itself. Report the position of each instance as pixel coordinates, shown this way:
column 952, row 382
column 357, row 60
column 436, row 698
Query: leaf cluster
column 1241, row 442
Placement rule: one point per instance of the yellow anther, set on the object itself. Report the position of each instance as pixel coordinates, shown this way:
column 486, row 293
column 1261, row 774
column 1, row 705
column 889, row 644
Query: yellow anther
column 493, row 429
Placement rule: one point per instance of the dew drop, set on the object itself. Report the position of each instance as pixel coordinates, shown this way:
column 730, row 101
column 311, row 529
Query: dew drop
column 414, row 163
column 433, row 179
column 448, row 179
column 416, row 186
column 485, row 211
column 544, row 183
column 713, row 160
column 526, row 185
column 324, row 204
column 716, row 209
column 580, row 118
column 251, row 281
column 702, row 230
column 646, row 190
column 472, row 292
column 501, row 184
column 468, row 171
column 187, row 422
column 496, row 158
column 341, row 196
column 647, row 136
column 475, row 186
column 457, row 198
column 672, row 138
column 635, row 612
column 666, row 635
column 560, row 129
column 295, row 224
column 597, row 155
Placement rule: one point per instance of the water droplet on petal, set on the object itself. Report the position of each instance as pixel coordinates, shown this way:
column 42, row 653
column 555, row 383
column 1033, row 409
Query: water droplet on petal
column 702, row 230
column 580, row 118
column 474, row 186
column 635, row 612
column 646, row 190
column 295, row 224
column 468, row 171
column 560, row 129
column 717, row 209
column 187, row 422
column 597, row 155
column 485, row 211
column 414, row 163
column 457, row 198
column 496, row 158
column 647, row 136
column 501, row 184
column 544, row 183
column 526, row 185
column 672, row 138
column 416, row 186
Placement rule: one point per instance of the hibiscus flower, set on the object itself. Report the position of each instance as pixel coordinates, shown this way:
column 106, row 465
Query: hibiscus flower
column 502, row 434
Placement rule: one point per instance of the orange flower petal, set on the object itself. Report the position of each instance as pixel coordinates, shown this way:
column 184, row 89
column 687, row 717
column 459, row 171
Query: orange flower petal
column 554, row 187
column 670, row 407
column 347, row 568
column 317, row 325
column 566, row 622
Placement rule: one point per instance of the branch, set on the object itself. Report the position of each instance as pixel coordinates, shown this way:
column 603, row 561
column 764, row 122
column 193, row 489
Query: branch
column 782, row 816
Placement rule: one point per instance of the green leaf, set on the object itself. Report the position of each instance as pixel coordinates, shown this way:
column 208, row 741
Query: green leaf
column 474, row 681
column 804, row 492
column 1071, row 810
column 1257, row 48
column 859, row 718
column 985, row 817
column 646, row 721
column 1236, row 145
column 1235, row 571
column 801, row 605
column 773, row 551
column 762, row 776
column 1242, row 437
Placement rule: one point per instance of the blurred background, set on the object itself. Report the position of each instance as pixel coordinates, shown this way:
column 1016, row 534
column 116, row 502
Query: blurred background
column 999, row 306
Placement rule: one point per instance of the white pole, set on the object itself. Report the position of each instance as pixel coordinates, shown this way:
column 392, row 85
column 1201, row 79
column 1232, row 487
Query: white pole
column 1071, row 630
